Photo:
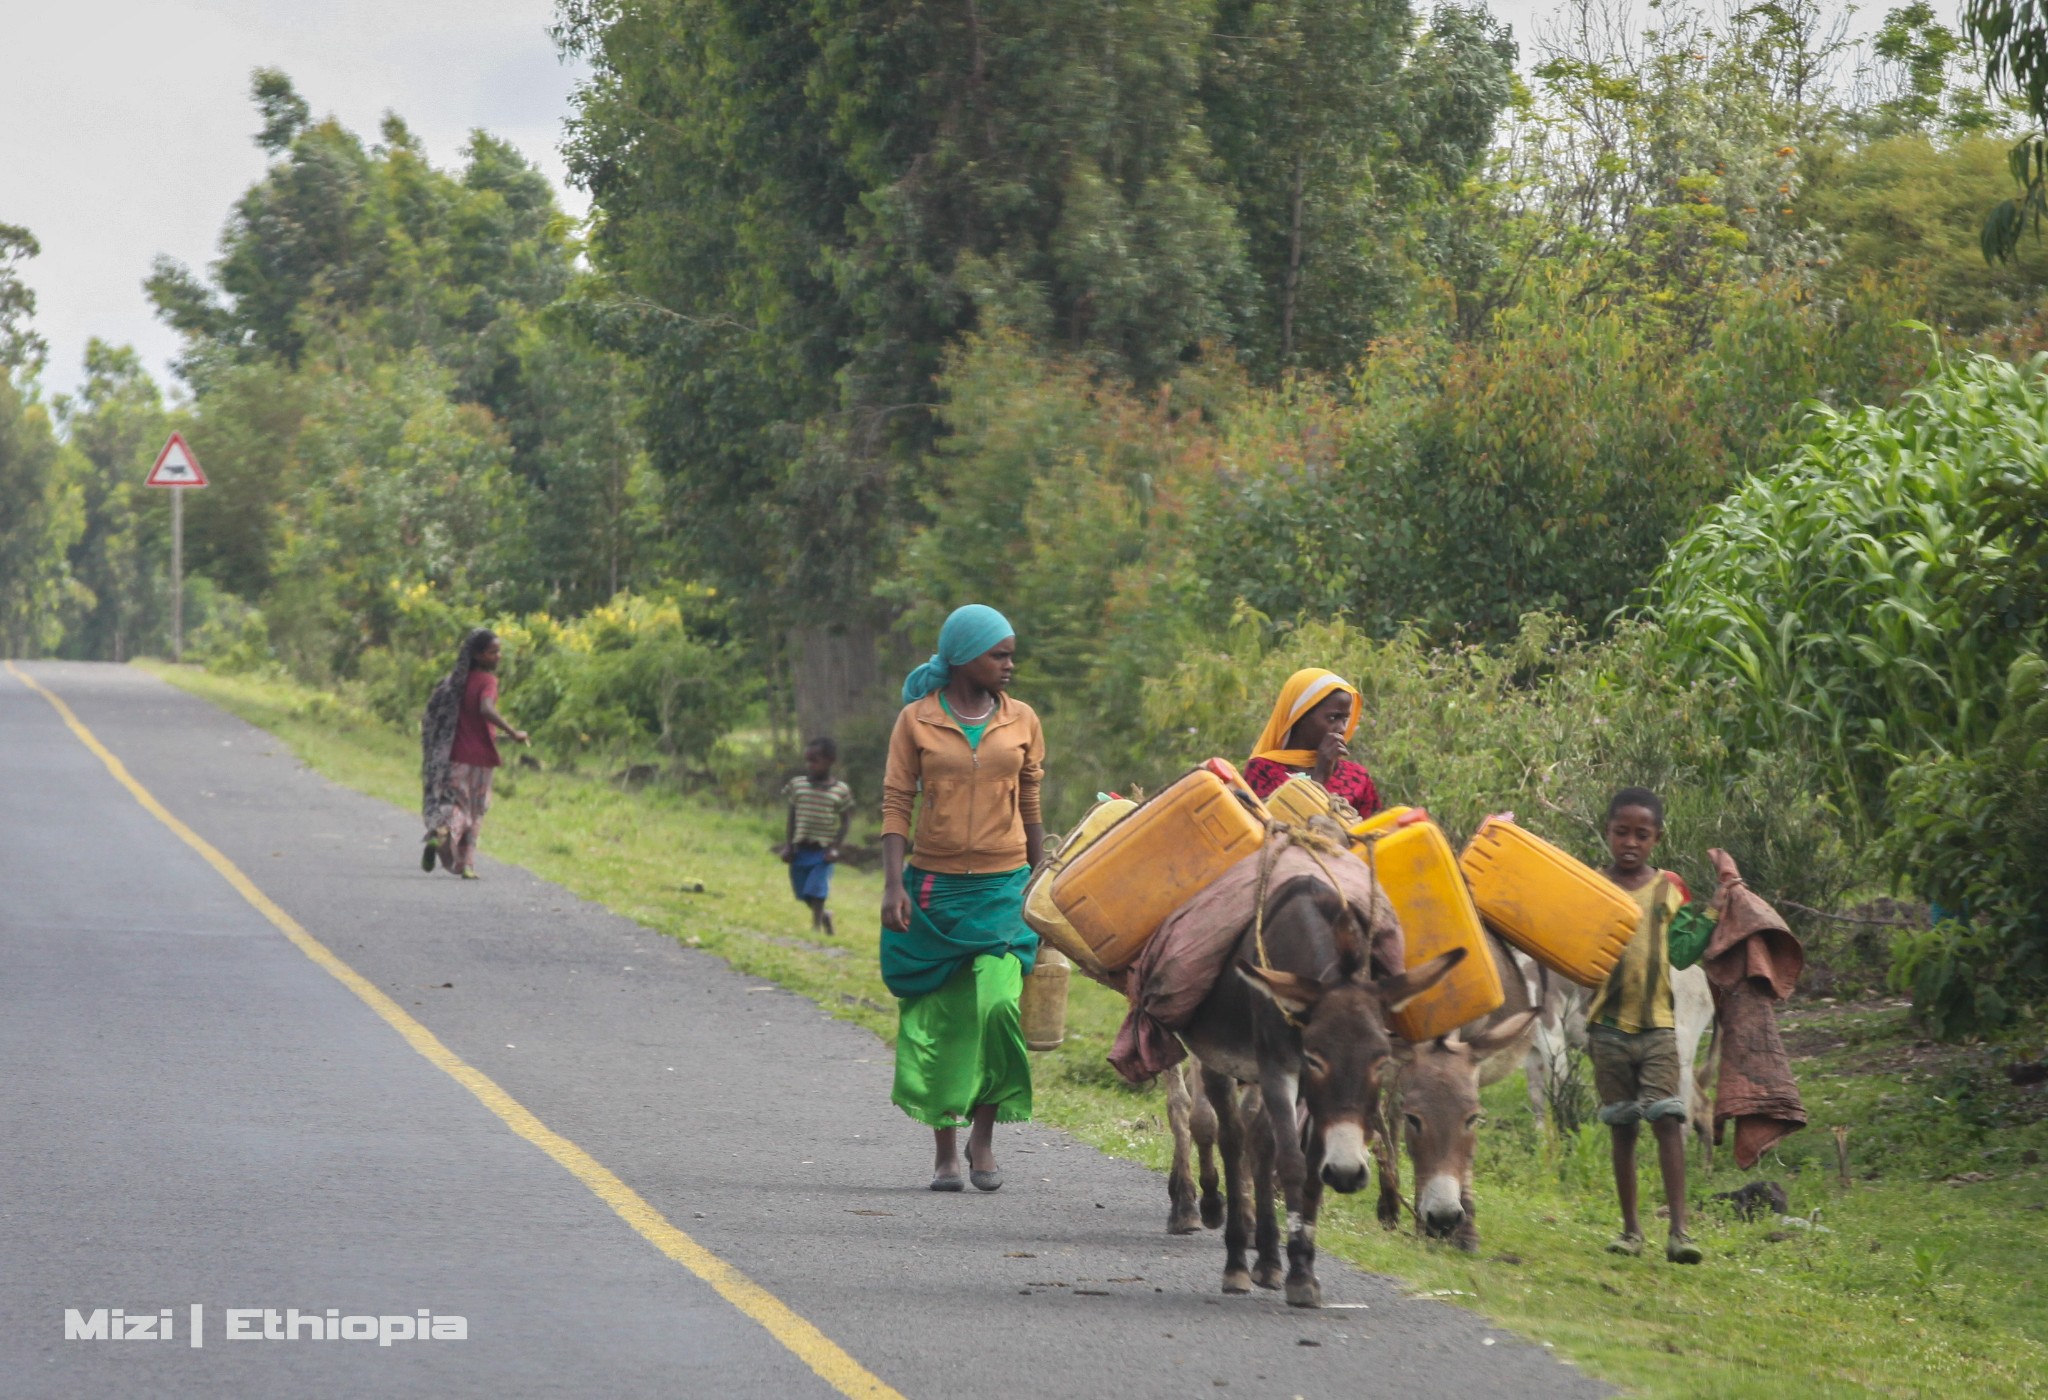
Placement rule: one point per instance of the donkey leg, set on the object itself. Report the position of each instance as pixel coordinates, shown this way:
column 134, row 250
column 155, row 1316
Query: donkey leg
column 1301, row 1188
column 1181, row 1218
column 1536, row 1073
column 1266, row 1273
column 1205, row 1131
column 1221, row 1091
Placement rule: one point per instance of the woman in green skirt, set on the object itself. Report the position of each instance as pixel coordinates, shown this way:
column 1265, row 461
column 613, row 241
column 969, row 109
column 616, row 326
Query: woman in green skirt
column 955, row 949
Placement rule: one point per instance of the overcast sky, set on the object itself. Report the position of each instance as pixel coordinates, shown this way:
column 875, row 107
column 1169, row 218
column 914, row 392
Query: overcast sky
column 125, row 125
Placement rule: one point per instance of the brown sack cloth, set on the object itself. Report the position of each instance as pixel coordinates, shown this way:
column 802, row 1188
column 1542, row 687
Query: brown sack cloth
column 1174, row 972
column 1753, row 962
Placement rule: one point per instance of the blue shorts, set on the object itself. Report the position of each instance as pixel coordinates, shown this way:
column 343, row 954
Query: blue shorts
column 810, row 874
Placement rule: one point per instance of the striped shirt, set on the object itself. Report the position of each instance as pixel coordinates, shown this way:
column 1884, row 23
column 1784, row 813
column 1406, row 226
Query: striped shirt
column 818, row 808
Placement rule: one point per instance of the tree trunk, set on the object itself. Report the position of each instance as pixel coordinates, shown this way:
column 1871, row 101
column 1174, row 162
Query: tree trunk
column 1293, row 280
column 835, row 675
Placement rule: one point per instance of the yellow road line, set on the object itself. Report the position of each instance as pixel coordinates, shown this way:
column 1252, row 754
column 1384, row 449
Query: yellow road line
column 810, row 1346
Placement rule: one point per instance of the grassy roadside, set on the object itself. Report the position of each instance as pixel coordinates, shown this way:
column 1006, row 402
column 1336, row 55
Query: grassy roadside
column 1923, row 1277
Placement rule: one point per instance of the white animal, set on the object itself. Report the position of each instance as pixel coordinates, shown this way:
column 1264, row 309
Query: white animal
column 1562, row 1028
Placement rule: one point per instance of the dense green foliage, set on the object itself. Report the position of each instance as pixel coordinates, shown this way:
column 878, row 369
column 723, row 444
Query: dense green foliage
column 1202, row 336
column 1879, row 601
column 802, row 207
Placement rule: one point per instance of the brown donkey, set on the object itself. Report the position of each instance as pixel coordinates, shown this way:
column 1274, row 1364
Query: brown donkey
column 1304, row 1022
column 1436, row 1093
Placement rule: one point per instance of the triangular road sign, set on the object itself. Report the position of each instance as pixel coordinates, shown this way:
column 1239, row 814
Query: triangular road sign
column 176, row 466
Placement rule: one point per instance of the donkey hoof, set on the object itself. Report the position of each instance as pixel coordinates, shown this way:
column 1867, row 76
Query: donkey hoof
column 1212, row 1212
column 1183, row 1222
column 1236, row 1281
column 1268, row 1275
column 1304, row 1293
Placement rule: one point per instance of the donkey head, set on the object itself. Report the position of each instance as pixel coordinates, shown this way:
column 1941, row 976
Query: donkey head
column 1440, row 1111
column 1344, row 1046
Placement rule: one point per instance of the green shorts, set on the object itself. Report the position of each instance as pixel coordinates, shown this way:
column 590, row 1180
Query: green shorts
column 1635, row 1074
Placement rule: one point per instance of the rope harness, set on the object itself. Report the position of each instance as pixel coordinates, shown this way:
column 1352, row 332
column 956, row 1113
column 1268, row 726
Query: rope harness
column 1315, row 845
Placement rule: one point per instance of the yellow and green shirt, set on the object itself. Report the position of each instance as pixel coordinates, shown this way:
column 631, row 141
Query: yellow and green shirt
column 1671, row 933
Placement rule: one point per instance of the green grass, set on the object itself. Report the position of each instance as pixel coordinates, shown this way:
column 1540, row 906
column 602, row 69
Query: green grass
column 1912, row 1286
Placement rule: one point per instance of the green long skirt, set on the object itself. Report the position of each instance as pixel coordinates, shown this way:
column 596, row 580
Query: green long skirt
column 962, row 1046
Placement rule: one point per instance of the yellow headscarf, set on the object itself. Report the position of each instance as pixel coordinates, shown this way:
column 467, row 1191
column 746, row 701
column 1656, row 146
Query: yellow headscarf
column 1303, row 692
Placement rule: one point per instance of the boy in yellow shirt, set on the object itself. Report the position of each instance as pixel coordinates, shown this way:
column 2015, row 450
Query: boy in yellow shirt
column 1629, row 1025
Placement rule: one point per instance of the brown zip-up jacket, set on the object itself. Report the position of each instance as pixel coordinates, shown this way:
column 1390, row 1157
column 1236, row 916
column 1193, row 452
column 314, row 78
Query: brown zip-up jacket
column 977, row 802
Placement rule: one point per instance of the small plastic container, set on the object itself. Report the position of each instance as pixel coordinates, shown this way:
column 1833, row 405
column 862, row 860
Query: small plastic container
column 1117, row 892
column 1415, row 866
column 1560, row 911
column 1040, row 912
column 1042, row 1006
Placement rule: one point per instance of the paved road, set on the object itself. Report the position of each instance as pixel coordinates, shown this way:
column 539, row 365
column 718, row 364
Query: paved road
column 196, row 1112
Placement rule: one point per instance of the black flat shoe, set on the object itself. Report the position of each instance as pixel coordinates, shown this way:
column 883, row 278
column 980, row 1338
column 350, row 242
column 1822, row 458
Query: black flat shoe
column 429, row 854
column 990, row 1180
column 948, row 1183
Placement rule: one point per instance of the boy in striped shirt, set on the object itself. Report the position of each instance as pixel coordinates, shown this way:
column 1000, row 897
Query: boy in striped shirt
column 820, row 811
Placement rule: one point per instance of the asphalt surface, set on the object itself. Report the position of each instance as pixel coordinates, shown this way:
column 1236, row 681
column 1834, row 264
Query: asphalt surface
column 193, row 1112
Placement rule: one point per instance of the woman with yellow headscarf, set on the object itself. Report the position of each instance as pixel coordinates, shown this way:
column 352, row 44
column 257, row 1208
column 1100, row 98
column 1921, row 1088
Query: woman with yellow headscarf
column 1308, row 733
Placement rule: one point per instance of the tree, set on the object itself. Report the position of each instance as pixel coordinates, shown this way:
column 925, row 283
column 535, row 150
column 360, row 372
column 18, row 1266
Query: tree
column 115, row 424
column 1666, row 159
column 361, row 274
column 801, row 206
column 1332, row 126
column 2012, row 35
column 42, row 515
column 42, row 519
column 20, row 347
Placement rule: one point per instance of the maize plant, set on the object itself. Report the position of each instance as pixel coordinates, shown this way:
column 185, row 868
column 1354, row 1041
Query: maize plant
column 1863, row 596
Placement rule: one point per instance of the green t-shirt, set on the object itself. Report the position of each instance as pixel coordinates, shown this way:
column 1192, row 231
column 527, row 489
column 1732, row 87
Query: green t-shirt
column 972, row 731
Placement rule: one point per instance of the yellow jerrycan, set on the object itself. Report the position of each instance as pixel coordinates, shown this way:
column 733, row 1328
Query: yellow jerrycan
column 1298, row 799
column 1119, row 890
column 1413, row 862
column 1560, row 911
column 1041, row 913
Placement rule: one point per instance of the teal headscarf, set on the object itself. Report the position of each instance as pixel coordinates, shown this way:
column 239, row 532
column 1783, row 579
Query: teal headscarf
column 968, row 633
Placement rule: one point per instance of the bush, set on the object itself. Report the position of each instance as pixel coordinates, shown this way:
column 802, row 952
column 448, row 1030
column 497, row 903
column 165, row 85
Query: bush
column 1878, row 599
column 1841, row 595
column 1970, row 830
column 1548, row 726
column 636, row 676
column 623, row 676
column 233, row 640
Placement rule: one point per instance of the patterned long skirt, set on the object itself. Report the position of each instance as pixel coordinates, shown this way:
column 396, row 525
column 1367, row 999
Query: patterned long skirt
column 472, row 788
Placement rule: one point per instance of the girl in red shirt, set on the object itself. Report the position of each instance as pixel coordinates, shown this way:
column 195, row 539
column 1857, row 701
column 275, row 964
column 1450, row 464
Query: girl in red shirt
column 1309, row 732
column 459, row 754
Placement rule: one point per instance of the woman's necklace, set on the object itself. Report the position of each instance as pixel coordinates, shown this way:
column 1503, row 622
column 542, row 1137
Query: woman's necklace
column 976, row 719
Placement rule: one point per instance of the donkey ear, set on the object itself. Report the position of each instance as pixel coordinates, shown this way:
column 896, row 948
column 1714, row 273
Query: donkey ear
column 1297, row 996
column 1397, row 991
column 1500, row 1037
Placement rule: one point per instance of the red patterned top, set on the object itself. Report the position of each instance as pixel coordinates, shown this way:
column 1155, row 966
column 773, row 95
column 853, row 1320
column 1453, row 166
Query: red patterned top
column 1349, row 781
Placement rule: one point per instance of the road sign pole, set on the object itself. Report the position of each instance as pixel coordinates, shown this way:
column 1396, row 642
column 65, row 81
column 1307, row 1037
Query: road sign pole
column 177, row 469
column 177, row 575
